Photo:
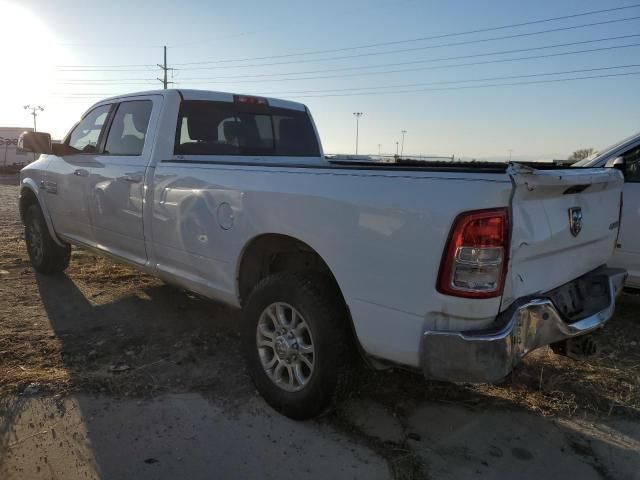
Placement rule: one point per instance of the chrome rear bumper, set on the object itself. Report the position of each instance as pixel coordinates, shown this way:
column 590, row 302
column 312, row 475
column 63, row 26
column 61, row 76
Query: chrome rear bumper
column 487, row 356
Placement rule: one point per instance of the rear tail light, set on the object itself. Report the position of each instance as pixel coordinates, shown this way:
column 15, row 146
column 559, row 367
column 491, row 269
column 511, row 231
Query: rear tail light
column 475, row 257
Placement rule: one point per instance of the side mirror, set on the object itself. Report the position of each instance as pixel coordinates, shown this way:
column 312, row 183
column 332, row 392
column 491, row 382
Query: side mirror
column 617, row 162
column 35, row 142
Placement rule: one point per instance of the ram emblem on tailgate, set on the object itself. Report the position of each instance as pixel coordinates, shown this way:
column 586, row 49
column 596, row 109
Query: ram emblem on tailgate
column 575, row 220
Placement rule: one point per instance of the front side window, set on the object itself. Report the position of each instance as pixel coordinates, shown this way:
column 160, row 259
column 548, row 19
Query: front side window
column 85, row 136
column 632, row 165
column 222, row 128
column 129, row 128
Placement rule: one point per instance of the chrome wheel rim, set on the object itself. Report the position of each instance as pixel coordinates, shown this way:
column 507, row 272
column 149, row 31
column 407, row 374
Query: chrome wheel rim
column 34, row 241
column 285, row 346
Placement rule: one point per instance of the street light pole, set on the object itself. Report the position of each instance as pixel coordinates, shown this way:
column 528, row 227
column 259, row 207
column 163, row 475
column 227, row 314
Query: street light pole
column 402, row 149
column 397, row 148
column 34, row 111
column 357, row 115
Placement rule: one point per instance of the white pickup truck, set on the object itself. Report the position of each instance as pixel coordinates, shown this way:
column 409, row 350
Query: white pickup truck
column 456, row 270
column 624, row 156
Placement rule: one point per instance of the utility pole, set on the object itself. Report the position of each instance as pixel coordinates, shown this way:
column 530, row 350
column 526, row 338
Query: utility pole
column 34, row 111
column 165, row 69
column 357, row 115
column 402, row 149
column 397, row 149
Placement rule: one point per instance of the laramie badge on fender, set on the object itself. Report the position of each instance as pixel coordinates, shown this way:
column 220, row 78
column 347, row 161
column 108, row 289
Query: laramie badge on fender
column 575, row 220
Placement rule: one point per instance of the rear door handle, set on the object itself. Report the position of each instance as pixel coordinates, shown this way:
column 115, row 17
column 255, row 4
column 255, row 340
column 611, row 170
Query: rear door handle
column 132, row 178
column 81, row 172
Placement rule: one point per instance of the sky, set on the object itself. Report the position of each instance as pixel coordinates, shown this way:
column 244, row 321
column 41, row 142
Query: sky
column 454, row 94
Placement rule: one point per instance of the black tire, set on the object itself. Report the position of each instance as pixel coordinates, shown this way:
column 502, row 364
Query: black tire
column 45, row 254
column 316, row 299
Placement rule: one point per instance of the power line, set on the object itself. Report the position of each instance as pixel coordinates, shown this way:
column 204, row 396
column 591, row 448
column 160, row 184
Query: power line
column 447, row 82
column 222, row 80
column 127, row 67
column 404, row 50
column 86, row 95
column 279, row 25
column 105, row 81
column 165, row 68
column 128, row 45
column 80, row 68
column 241, row 79
column 150, row 65
column 151, row 81
column 466, row 87
column 433, row 37
column 444, row 82
column 389, row 52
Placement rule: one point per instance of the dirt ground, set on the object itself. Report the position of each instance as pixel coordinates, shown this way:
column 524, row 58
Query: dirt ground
column 108, row 373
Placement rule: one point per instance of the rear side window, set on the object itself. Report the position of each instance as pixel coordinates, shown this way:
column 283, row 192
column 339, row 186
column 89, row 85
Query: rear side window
column 84, row 137
column 222, row 128
column 129, row 128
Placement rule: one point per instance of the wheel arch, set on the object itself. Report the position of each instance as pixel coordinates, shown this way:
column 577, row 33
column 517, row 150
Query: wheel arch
column 269, row 253
column 30, row 194
column 256, row 261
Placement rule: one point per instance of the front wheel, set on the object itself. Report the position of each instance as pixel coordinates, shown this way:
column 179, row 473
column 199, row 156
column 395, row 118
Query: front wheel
column 296, row 342
column 45, row 254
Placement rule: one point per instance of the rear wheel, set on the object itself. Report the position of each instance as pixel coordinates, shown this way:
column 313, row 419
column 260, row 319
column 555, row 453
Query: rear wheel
column 296, row 342
column 45, row 254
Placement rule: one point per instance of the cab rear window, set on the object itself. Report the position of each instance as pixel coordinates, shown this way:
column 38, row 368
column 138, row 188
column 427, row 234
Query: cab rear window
column 224, row 128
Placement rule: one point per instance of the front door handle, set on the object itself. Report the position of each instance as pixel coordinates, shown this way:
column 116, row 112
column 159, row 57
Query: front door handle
column 81, row 172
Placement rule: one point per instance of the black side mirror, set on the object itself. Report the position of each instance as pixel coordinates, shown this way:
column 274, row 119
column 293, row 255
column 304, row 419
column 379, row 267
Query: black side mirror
column 35, row 142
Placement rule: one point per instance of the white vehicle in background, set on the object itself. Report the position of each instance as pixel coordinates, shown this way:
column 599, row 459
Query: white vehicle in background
column 456, row 270
column 625, row 156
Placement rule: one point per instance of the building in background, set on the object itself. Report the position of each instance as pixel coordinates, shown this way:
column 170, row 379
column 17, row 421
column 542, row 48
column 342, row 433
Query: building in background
column 10, row 158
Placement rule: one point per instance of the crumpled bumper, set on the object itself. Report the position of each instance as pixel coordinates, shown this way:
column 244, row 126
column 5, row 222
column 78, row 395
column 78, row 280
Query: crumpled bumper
column 487, row 356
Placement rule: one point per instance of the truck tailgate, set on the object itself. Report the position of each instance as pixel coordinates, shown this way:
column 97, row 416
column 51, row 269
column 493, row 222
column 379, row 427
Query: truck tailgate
column 564, row 224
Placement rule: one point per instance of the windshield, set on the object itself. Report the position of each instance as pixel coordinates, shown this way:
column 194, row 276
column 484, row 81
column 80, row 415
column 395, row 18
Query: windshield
column 592, row 160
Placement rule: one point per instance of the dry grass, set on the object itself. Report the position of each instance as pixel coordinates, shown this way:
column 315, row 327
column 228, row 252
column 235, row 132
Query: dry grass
column 607, row 383
column 549, row 384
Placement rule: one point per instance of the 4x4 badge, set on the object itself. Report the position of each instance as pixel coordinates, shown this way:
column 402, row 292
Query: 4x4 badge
column 575, row 220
